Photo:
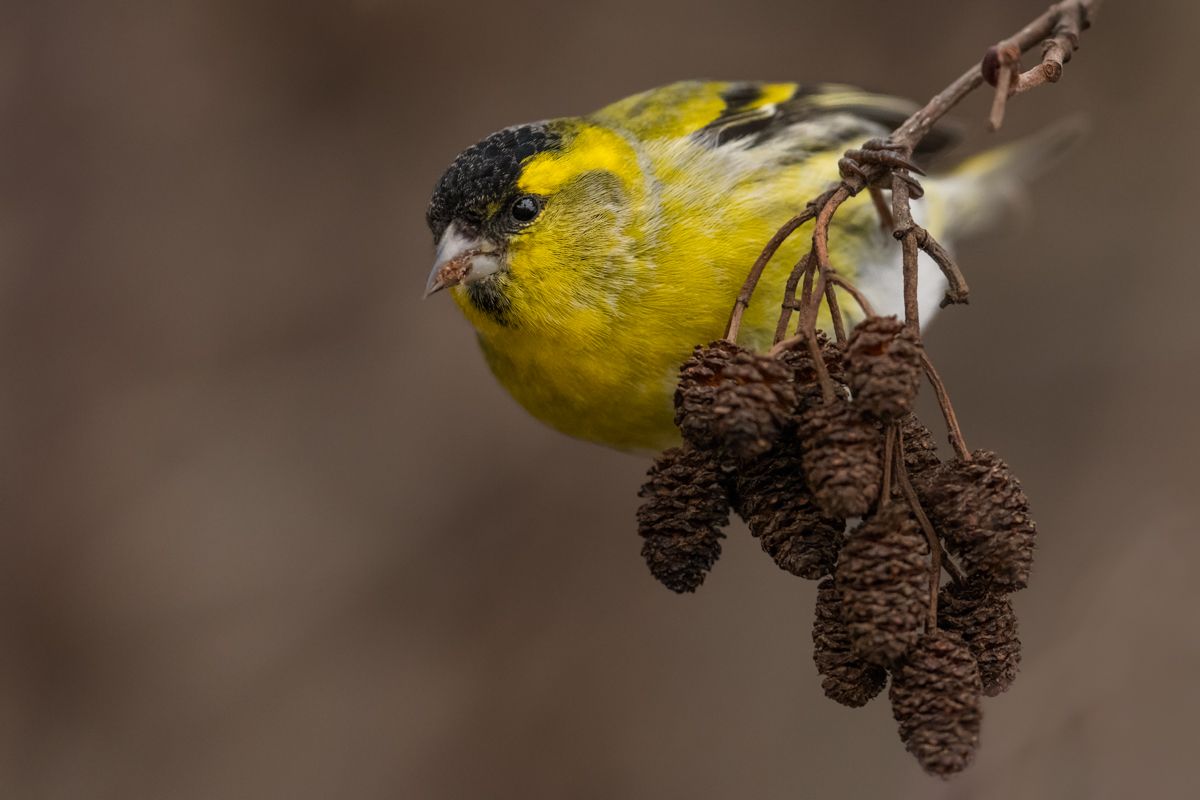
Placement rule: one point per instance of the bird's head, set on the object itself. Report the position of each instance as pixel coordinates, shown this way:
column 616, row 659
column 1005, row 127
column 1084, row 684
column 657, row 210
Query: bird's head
column 533, row 221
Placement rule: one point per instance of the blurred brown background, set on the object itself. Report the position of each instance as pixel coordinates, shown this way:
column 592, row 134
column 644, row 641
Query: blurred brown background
column 271, row 530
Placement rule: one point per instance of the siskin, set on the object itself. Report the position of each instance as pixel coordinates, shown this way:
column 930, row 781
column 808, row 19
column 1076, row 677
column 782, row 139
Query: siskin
column 592, row 253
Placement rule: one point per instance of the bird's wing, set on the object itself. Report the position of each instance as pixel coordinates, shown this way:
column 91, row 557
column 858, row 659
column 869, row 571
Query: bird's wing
column 832, row 116
column 817, row 116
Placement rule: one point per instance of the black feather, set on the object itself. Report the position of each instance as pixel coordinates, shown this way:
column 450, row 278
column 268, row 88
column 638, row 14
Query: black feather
column 484, row 173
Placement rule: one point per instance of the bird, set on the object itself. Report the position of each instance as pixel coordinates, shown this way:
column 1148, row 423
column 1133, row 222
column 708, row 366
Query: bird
column 592, row 253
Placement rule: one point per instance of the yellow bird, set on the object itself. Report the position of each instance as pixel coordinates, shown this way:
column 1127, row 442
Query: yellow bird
column 591, row 253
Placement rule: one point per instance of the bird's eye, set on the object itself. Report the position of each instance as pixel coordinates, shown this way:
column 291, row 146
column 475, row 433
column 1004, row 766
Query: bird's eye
column 524, row 208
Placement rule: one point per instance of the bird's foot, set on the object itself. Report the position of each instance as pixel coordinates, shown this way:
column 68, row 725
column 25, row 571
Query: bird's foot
column 888, row 160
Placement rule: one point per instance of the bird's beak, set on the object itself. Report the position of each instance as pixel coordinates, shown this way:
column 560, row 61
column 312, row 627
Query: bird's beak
column 461, row 258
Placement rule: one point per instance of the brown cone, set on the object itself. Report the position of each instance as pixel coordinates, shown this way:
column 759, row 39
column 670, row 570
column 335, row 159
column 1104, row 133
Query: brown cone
column 775, row 502
column 733, row 399
column 920, row 449
column 845, row 678
column 978, row 506
column 935, row 697
column 842, row 457
column 696, row 392
column 804, row 371
column 883, row 574
column 883, row 360
column 987, row 623
column 681, row 518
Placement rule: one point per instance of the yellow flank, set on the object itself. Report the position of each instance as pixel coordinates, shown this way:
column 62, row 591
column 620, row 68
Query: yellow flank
column 645, row 236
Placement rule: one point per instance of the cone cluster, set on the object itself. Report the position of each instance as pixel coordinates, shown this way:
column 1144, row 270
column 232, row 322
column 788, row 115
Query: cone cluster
column 802, row 461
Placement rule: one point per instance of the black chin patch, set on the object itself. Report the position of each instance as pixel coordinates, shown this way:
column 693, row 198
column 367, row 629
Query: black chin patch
column 488, row 296
column 485, row 173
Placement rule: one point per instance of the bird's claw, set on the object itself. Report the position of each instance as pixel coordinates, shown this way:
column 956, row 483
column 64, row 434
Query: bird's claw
column 880, row 153
column 883, row 154
column 848, row 168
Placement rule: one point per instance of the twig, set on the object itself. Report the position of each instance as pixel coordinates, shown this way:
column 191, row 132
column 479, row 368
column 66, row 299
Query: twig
column 808, row 322
column 835, row 311
column 957, row 291
column 800, row 269
column 782, row 343
column 1002, row 62
column 886, row 223
column 935, row 544
column 1064, row 40
column 889, row 444
column 820, row 235
column 808, row 331
column 913, row 237
column 810, row 267
column 814, row 352
column 853, row 291
column 1008, row 60
column 905, row 232
column 956, row 573
column 943, row 397
column 916, row 127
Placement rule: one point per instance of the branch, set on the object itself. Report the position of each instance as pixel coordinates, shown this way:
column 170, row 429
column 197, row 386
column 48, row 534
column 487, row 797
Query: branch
column 1002, row 63
column 800, row 270
column 943, row 398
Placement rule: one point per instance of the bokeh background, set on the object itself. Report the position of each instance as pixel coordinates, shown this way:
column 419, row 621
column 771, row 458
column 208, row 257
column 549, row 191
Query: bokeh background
column 269, row 529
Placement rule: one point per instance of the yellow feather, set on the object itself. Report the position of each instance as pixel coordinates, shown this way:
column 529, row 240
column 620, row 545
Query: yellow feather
column 592, row 148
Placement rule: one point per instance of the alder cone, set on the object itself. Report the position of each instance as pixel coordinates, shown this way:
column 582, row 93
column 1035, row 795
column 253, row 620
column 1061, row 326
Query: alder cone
column 734, row 400
column 883, row 360
column 753, row 404
column 845, row 677
column 883, row 574
column 842, row 457
column 772, row 497
column 988, row 625
column 696, row 392
column 980, row 509
column 685, row 507
column 804, row 369
column 920, row 449
column 935, row 696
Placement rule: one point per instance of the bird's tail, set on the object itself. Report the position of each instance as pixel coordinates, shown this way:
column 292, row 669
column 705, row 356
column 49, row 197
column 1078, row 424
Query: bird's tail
column 984, row 189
